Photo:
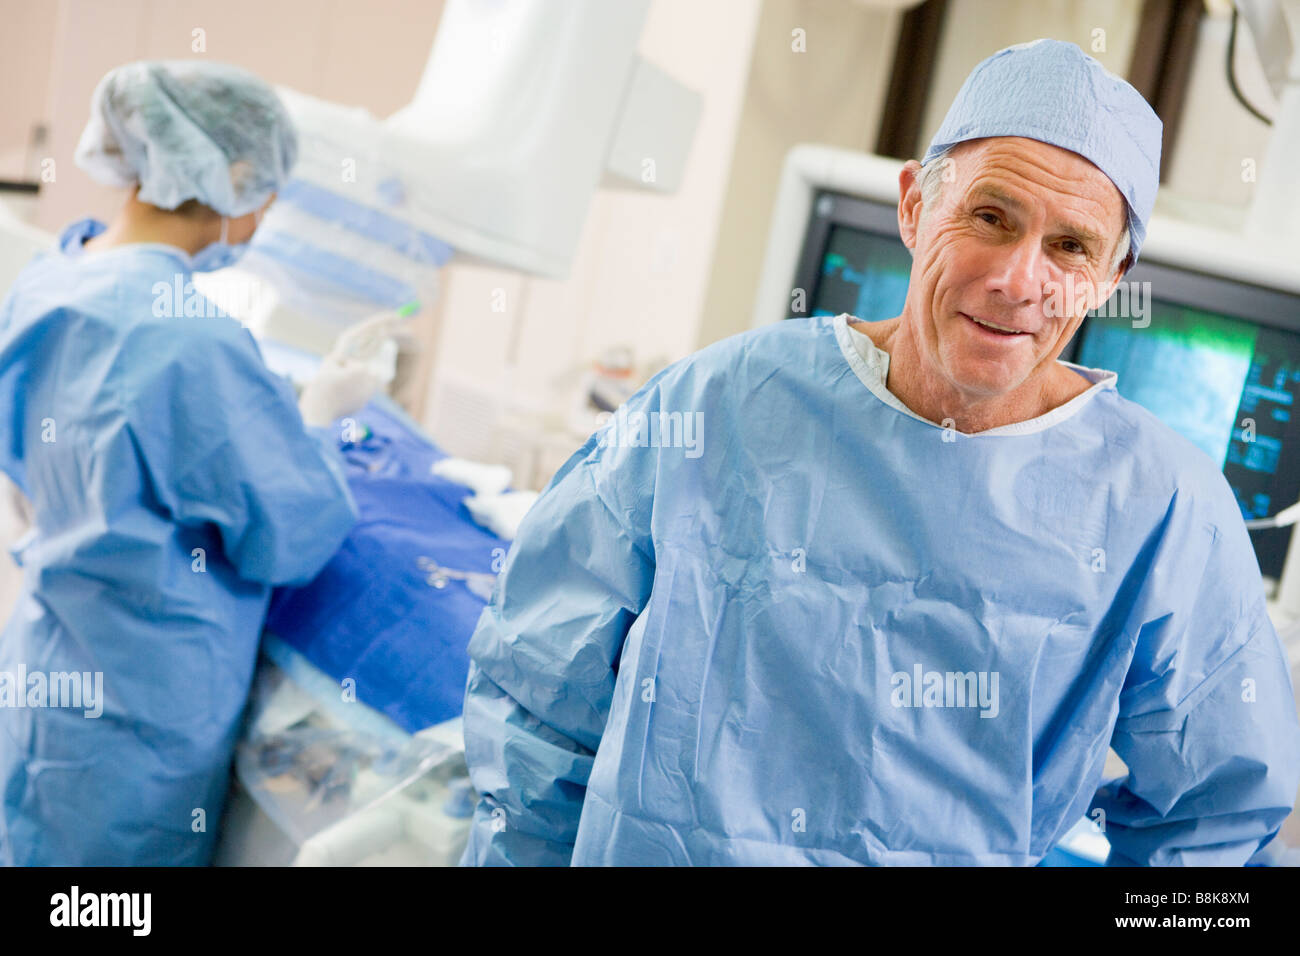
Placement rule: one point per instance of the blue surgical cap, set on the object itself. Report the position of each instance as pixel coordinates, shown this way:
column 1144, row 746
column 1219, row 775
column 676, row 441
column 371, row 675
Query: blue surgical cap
column 189, row 129
column 1055, row 93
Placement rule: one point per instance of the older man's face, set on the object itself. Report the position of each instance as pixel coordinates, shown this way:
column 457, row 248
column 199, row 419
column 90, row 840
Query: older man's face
column 1021, row 223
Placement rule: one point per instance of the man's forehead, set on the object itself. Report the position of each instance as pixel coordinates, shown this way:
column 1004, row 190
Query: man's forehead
column 1018, row 172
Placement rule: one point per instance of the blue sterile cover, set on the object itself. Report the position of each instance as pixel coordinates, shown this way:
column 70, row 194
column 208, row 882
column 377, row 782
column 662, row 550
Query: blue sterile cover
column 371, row 614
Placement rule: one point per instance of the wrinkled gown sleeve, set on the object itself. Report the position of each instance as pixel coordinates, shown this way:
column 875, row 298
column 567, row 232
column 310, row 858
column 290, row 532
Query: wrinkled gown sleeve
column 544, row 656
column 1207, row 720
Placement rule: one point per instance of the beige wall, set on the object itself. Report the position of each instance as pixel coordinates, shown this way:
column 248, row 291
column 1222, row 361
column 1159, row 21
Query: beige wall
column 832, row 93
column 26, row 39
column 364, row 54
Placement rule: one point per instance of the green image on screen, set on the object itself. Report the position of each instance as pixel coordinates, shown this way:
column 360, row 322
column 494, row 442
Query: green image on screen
column 863, row 274
column 1188, row 368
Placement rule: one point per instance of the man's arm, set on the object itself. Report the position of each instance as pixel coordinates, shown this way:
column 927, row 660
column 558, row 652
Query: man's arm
column 544, row 657
column 1207, row 723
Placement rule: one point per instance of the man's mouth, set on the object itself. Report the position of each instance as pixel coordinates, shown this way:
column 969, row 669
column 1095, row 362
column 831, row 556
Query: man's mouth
column 993, row 328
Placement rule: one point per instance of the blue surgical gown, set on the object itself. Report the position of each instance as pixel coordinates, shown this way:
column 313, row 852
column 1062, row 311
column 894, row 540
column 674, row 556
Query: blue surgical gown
column 172, row 483
column 820, row 629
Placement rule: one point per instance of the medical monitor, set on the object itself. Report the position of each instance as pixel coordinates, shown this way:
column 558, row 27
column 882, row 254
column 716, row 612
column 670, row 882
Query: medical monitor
column 852, row 260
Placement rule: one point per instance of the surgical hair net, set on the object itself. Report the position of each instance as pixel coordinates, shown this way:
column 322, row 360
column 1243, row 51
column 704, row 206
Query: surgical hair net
column 1055, row 93
column 189, row 130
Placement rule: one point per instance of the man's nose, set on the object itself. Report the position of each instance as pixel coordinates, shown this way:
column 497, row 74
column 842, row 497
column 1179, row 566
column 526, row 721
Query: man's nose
column 1018, row 273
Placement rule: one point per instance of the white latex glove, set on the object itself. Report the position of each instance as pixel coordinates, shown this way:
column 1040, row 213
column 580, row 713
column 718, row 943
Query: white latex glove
column 338, row 389
column 361, row 363
column 477, row 477
column 369, row 338
column 501, row 513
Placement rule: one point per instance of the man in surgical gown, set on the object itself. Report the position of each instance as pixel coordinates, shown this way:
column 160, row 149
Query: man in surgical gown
column 829, row 592
column 171, row 479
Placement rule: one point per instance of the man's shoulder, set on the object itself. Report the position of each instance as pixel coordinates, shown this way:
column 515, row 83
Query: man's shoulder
column 1162, row 458
column 762, row 350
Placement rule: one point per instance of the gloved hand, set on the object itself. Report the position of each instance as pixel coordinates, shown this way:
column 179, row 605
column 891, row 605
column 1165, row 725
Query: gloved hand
column 361, row 363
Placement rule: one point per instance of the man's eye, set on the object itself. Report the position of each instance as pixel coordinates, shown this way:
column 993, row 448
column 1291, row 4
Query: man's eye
column 1073, row 247
column 989, row 217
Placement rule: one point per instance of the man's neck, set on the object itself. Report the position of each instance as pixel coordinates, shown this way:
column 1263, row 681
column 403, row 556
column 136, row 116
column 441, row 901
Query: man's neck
column 933, row 398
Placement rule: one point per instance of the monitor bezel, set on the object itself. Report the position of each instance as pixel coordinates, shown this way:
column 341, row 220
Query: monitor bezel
column 829, row 209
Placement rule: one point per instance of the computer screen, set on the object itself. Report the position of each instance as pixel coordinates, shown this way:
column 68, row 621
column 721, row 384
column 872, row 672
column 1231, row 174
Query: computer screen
column 852, row 261
column 1216, row 360
column 863, row 273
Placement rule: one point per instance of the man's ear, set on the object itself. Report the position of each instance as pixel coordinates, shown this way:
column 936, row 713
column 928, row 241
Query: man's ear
column 909, row 202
